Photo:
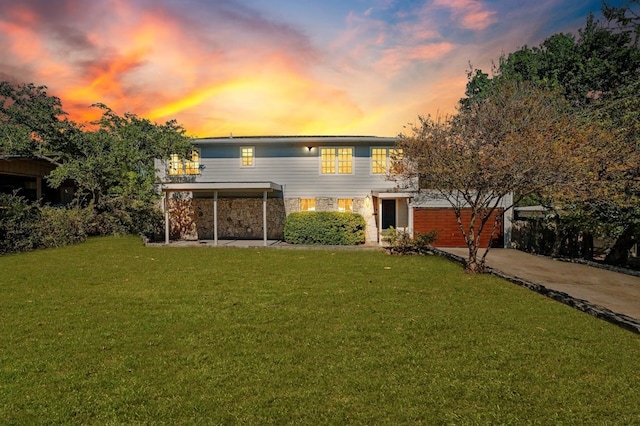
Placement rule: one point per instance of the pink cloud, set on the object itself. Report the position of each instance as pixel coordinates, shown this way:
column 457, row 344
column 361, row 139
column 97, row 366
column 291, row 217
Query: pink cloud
column 472, row 14
column 397, row 58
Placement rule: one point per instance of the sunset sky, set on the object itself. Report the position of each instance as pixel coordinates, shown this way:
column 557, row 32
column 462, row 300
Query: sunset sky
column 269, row 67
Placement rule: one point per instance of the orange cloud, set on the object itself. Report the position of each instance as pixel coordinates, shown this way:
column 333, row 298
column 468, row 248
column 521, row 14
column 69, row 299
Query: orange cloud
column 151, row 58
column 278, row 97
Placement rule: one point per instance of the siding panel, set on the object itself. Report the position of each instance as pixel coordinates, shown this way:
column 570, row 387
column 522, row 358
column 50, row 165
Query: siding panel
column 293, row 166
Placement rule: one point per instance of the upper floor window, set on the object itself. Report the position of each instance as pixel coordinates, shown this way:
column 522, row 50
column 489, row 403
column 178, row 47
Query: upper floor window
column 336, row 160
column 247, row 156
column 184, row 166
column 382, row 159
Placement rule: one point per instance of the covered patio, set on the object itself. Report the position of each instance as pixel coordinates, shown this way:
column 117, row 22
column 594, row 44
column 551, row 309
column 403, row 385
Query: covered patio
column 264, row 190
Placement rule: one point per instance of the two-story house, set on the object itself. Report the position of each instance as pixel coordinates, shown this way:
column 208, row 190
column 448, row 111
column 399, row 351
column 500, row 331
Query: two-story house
column 244, row 187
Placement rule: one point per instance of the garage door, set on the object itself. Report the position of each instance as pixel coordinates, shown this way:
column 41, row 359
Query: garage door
column 449, row 235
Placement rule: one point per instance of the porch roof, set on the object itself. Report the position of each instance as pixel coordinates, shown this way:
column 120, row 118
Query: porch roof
column 221, row 187
column 392, row 195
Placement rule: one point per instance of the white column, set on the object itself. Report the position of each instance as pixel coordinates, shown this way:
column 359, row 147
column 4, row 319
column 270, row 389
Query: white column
column 166, row 217
column 215, row 218
column 379, row 218
column 264, row 216
column 410, row 219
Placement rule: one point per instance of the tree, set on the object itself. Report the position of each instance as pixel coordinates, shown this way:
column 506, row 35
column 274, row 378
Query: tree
column 624, row 18
column 518, row 140
column 32, row 123
column 598, row 73
column 606, row 197
column 113, row 164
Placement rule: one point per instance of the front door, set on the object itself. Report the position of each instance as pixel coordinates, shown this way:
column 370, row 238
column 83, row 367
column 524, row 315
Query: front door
column 388, row 214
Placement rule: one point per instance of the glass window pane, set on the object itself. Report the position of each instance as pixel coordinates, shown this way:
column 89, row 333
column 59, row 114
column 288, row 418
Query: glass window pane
column 175, row 165
column 395, row 158
column 327, row 160
column 192, row 166
column 345, row 204
column 307, row 204
column 246, row 154
column 345, row 160
column 378, row 160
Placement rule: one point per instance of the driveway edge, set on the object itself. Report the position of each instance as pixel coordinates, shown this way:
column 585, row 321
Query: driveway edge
column 597, row 311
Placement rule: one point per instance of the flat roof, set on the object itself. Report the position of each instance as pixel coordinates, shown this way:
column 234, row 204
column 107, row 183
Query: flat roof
column 302, row 140
column 219, row 186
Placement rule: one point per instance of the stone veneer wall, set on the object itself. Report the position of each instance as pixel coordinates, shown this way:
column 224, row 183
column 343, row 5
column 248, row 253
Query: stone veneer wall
column 239, row 218
column 181, row 218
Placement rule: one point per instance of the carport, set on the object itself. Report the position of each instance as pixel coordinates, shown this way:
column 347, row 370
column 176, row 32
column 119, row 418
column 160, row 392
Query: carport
column 234, row 189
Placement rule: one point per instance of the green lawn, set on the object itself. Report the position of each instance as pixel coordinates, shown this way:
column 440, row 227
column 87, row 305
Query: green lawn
column 112, row 332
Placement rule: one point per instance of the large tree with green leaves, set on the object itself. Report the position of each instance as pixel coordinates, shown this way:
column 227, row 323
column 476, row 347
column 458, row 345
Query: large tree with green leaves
column 111, row 162
column 33, row 123
column 116, row 158
column 598, row 73
column 113, row 165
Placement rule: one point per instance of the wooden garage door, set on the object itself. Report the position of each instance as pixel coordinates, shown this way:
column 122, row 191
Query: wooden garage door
column 444, row 221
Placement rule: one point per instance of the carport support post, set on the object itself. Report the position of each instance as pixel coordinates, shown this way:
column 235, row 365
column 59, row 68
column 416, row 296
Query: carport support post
column 166, row 217
column 410, row 208
column 215, row 218
column 264, row 216
column 379, row 220
column 38, row 188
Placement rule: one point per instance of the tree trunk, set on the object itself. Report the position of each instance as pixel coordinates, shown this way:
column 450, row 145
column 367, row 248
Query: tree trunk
column 587, row 246
column 619, row 253
column 558, row 242
column 473, row 265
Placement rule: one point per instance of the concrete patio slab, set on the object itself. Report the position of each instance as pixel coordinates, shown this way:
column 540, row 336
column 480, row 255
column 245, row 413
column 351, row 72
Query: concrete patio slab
column 221, row 243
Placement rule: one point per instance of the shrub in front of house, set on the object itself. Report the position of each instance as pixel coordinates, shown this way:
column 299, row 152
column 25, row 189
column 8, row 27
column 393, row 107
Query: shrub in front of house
column 324, row 228
column 25, row 225
column 18, row 220
column 400, row 242
column 122, row 215
column 59, row 226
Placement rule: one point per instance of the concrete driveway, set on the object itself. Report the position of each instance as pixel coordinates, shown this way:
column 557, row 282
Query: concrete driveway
column 614, row 291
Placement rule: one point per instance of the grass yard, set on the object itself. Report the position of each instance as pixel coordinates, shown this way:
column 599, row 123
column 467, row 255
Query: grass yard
column 112, row 332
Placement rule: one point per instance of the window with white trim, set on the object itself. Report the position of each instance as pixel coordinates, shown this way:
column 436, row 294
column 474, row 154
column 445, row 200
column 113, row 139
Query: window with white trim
column 247, row 156
column 383, row 159
column 184, row 166
column 336, row 161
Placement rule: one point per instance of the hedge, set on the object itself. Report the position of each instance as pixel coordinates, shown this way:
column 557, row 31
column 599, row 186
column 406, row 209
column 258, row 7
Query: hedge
column 25, row 225
column 325, row 228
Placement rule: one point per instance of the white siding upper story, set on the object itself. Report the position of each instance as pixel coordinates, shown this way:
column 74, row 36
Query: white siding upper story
column 295, row 163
